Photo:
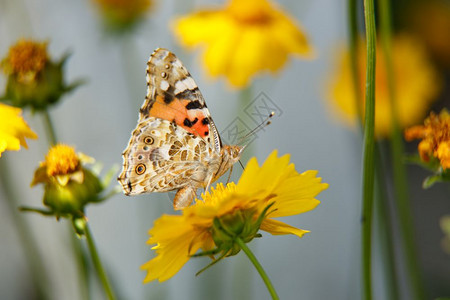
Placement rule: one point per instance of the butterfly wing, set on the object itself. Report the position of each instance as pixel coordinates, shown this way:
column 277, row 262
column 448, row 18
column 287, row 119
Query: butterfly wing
column 173, row 95
column 160, row 157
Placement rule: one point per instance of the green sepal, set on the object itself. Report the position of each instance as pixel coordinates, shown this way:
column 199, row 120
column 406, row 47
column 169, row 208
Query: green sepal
column 41, row 211
column 440, row 176
column 215, row 261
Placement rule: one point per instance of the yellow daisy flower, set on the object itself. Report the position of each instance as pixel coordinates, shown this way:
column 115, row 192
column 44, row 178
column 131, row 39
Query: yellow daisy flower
column 417, row 85
column 435, row 135
column 13, row 129
column 234, row 211
column 243, row 38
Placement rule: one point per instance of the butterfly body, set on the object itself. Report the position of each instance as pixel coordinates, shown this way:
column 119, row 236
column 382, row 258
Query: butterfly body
column 175, row 145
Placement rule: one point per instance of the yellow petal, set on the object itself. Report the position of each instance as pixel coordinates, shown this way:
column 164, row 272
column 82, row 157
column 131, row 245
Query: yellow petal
column 13, row 129
column 221, row 49
column 276, row 227
column 267, row 176
column 176, row 240
column 290, row 37
column 170, row 258
column 249, row 56
column 296, row 194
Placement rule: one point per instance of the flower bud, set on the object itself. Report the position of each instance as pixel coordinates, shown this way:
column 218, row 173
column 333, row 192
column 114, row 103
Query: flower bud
column 68, row 185
column 34, row 80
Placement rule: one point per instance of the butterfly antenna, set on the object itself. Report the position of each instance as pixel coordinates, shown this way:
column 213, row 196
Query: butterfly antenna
column 263, row 124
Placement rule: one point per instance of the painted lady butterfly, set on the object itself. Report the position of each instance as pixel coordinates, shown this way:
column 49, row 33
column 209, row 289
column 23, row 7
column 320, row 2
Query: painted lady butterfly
column 175, row 145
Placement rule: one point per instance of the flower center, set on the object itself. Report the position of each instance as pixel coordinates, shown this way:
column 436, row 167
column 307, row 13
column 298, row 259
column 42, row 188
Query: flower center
column 251, row 11
column 27, row 56
column 61, row 160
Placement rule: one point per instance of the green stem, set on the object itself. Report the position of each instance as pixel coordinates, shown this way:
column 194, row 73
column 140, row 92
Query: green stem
column 80, row 257
column 82, row 262
column 397, row 150
column 29, row 245
column 51, row 135
column 369, row 148
column 258, row 267
column 384, row 218
column 98, row 265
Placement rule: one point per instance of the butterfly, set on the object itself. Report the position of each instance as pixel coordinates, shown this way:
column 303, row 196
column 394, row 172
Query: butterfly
column 175, row 145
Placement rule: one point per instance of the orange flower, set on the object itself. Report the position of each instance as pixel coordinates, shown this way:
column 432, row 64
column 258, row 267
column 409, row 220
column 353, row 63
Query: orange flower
column 435, row 135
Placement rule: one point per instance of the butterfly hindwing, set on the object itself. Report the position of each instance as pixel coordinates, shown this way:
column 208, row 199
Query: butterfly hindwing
column 160, row 156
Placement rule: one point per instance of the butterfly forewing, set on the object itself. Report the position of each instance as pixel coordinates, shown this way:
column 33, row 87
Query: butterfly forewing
column 173, row 95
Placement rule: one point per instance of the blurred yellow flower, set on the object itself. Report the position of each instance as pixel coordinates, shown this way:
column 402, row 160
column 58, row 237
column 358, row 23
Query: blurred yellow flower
column 122, row 14
column 416, row 81
column 33, row 78
column 243, row 38
column 273, row 190
column 435, row 135
column 13, row 129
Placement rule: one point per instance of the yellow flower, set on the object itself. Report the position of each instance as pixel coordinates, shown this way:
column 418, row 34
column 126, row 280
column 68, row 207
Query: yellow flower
column 123, row 14
column 68, row 185
column 243, row 38
column 435, row 135
column 416, row 81
column 273, row 190
column 13, row 129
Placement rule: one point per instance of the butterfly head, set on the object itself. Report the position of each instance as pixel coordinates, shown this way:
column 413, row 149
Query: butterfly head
column 233, row 152
column 230, row 155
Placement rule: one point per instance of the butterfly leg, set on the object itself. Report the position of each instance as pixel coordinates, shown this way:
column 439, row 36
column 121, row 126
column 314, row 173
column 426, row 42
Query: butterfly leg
column 184, row 197
column 209, row 183
column 229, row 175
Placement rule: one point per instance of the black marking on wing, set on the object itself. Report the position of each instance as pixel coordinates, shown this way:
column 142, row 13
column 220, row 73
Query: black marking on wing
column 168, row 98
column 194, row 105
column 188, row 122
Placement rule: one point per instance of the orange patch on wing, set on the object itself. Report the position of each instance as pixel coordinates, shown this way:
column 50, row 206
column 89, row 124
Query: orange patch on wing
column 176, row 111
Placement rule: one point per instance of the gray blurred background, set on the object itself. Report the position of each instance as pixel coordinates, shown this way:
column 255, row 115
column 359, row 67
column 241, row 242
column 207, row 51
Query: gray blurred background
column 99, row 116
